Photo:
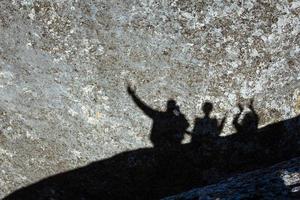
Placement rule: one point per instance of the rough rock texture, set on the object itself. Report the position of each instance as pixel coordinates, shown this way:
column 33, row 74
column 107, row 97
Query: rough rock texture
column 281, row 181
column 155, row 173
column 63, row 65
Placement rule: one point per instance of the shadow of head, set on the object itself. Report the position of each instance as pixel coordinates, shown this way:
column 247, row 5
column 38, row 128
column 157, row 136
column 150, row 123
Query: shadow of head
column 172, row 105
column 207, row 108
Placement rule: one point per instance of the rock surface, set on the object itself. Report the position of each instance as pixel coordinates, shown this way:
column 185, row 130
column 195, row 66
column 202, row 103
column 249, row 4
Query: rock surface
column 155, row 173
column 64, row 64
column 281, row 181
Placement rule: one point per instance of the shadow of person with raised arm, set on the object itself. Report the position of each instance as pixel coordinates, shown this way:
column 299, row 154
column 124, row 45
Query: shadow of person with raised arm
column 249, row 124
column 207, row 127
column 154, row 173
column 247, row 137
column 168, row 127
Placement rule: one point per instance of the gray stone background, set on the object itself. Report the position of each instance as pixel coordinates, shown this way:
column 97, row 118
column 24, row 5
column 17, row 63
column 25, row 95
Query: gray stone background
column 64, row 65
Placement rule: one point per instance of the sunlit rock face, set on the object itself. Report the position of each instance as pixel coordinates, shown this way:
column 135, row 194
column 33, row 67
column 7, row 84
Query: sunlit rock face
column 64, row 66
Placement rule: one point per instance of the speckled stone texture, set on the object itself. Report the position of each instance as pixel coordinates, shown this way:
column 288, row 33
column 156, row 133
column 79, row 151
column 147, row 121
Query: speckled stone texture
column 64, row 65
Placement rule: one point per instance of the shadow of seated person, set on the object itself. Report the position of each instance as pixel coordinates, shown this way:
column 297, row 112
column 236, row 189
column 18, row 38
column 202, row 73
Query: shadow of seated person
column 207, row 127
column 168, row 127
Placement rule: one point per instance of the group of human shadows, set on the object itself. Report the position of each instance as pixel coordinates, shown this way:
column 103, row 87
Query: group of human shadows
column 172, row 167
column 170, row 126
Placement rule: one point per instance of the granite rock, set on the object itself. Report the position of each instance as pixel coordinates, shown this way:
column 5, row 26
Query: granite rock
column 64, row 65
column 281, row 181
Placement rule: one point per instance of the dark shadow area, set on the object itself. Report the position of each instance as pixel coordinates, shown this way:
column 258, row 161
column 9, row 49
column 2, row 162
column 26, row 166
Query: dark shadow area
column 206, row 127
column 249, row 123
column 294, row 191
column 168, row 127
column 171, row 167
column 273, row 186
